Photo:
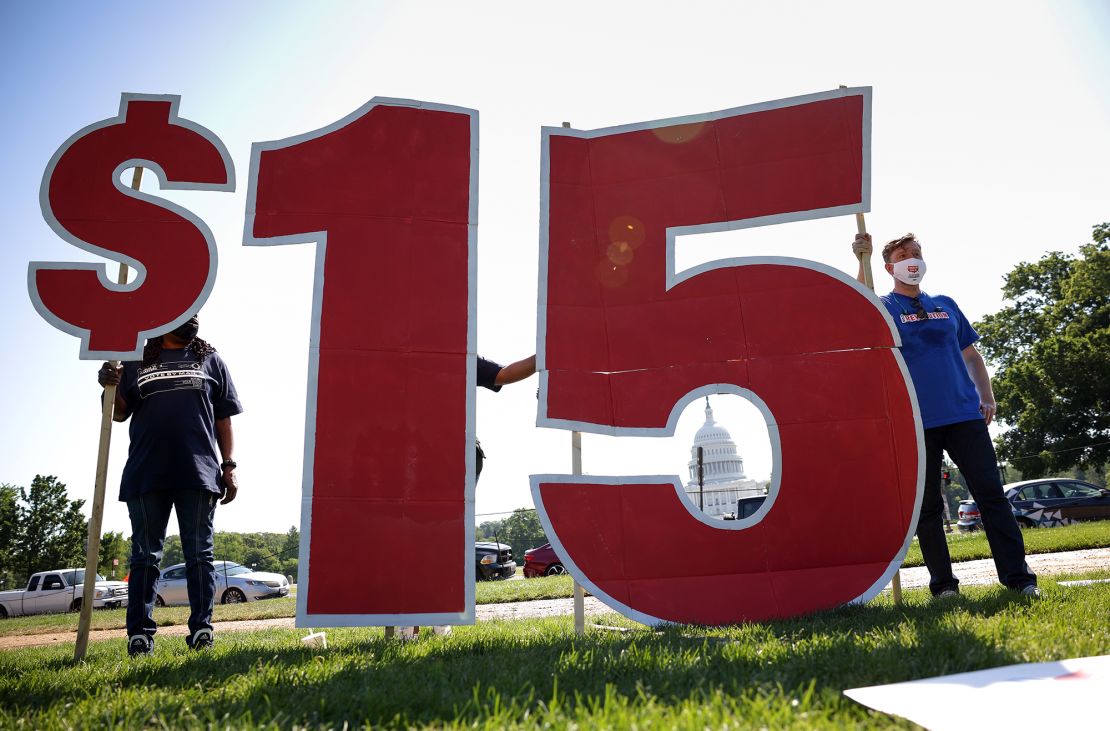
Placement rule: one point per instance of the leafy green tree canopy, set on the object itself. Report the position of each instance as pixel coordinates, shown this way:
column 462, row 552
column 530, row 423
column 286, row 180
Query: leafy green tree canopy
column 1051, row 348
column 522, row 530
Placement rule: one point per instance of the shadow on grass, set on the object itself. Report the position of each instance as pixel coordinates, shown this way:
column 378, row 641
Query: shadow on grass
column 505, row 671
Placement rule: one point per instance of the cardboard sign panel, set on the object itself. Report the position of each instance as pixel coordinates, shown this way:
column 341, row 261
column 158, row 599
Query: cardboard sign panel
column 389, row 195
column 173, row 252
column 626, row 342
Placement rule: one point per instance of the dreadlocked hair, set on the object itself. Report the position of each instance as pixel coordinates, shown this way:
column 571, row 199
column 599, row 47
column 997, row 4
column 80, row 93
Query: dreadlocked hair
column 201, row 349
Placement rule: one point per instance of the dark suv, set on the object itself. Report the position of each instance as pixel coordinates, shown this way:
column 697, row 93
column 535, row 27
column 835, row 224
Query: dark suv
column 493, row 561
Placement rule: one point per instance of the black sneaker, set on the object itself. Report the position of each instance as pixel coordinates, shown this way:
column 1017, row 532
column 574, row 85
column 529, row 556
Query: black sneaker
column 140, row 645
column 200, row 640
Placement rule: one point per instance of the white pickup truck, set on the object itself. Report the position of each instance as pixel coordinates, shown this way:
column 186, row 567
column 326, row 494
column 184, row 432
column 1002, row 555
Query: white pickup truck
column 60, row 590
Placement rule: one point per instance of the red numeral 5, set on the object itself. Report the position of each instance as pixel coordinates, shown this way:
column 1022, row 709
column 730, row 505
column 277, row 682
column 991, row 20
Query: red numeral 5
column 625, row 343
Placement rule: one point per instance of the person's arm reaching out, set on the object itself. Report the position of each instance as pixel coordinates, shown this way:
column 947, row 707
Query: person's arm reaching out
column 977, row 369
column 516, row 371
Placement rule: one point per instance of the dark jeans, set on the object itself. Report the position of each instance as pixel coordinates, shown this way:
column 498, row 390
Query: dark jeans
column 150, row 514
column 969, row 445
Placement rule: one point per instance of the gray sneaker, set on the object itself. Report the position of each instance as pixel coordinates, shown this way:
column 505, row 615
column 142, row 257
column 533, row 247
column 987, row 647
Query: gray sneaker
column 139, row 645
column 947, row 594
column 200, row 640
column 1031, row 591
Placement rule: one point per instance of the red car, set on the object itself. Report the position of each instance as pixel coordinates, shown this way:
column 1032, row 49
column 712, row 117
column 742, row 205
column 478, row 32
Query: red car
column 542, row 561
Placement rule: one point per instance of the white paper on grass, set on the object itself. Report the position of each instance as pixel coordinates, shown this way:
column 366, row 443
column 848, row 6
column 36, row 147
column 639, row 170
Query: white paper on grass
column 1070, row 694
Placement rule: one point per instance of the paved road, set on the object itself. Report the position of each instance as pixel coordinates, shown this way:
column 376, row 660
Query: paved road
column 969, row 572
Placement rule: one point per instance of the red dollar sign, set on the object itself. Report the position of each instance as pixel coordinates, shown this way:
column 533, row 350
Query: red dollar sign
column 172, row 250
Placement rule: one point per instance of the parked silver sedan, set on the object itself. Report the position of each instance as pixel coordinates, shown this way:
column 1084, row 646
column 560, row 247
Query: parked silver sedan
column 235, row 583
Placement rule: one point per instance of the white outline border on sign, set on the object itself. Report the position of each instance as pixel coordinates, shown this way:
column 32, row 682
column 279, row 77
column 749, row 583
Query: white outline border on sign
column 320, row 238
column 101, row 269
column 674, row 278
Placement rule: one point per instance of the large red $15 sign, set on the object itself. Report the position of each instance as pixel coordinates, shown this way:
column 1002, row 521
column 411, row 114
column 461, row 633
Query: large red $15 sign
column 389, row 195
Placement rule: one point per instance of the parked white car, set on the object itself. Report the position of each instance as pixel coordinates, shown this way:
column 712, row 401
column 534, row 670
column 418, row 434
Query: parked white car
column 60, row 590
column 234, row 583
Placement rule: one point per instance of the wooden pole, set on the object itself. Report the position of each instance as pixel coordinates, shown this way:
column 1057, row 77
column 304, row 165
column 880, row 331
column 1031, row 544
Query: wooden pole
column 576, row 468
column 96, row 517
column 579, row 592
column 865, row 261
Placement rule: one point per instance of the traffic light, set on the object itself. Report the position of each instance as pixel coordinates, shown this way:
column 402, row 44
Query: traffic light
column 947, row 475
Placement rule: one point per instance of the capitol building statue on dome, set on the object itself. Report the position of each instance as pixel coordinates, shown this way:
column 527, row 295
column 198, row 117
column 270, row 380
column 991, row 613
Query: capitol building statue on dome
column 723, row 481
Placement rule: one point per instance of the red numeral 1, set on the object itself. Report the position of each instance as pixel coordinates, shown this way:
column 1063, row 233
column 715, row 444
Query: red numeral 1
column 389, row 194
column 625, row 344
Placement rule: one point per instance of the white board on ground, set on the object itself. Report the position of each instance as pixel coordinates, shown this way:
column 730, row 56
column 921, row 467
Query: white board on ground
column 1067, row 694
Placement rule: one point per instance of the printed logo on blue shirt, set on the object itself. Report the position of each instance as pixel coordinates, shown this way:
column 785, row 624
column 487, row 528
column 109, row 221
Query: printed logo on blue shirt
column 931, row 316
column 165, row 377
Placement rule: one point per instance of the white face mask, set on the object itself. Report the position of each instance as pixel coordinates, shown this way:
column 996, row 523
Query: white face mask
column 909, row 271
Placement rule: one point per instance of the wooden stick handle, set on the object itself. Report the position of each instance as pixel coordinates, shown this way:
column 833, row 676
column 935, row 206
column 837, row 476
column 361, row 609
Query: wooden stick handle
column 865, row 259
column 92, row 558
column 579, row 593
column 96, row 517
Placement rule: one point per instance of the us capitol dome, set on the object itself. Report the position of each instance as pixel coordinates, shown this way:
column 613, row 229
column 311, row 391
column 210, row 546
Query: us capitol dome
column 724, row 481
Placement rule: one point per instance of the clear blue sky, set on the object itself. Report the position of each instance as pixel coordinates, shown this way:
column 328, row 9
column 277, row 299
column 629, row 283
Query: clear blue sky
column 990, row 142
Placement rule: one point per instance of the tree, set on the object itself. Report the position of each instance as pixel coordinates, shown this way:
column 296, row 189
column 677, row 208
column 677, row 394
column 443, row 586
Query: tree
column 490, row 530
column 51, row 531
column 9, row 525
column 172, row 553
column 263, row 551
column 1051, row 348
column 113, row 546
column 522, row 530
column 291, row 552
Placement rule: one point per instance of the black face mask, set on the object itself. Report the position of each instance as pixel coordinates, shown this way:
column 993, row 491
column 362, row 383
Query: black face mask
column 187, row 330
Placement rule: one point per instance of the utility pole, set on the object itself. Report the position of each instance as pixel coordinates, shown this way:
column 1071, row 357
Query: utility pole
column 701, row 480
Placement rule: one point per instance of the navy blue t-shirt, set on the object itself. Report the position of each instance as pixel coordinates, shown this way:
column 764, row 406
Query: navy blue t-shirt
column 173, row 405
column 933, row 351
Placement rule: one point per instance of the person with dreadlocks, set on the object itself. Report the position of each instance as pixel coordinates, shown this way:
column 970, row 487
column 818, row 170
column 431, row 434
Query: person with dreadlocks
column 180, row 399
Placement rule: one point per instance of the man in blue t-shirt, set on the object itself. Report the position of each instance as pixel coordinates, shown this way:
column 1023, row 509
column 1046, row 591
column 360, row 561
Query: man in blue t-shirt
column 957, row 403
column 180, row 399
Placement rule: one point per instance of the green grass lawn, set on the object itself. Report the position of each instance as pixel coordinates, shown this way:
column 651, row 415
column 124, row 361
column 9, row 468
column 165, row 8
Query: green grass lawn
column 972, row 546
column 537, row 674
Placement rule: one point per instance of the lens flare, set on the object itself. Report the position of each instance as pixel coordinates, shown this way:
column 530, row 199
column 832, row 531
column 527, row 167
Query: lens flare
column 611, row 275
column 627, row 229
column 679, row 133
column 620, row 253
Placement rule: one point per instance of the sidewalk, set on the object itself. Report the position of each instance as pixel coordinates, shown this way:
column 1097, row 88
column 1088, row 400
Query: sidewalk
column 970, row 573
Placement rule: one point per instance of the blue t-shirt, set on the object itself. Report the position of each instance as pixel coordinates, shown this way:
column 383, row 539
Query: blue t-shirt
column 173, row 405
column 933, row 350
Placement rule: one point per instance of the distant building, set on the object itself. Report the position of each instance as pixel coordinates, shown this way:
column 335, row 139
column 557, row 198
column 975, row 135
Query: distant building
column 724, row 480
